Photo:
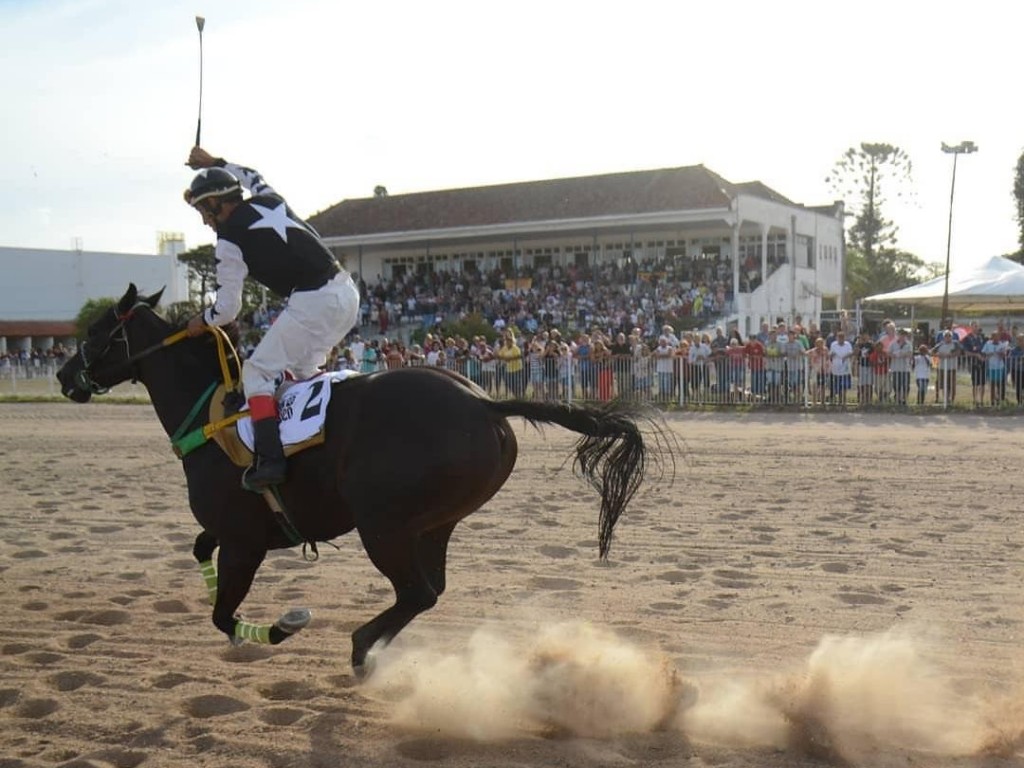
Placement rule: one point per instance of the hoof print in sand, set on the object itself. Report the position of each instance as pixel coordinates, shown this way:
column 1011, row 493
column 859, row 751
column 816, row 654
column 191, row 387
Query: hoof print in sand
column 213, row 705
column 36, row 709
column 281, row 715
column 288, row 690
column 73, row 680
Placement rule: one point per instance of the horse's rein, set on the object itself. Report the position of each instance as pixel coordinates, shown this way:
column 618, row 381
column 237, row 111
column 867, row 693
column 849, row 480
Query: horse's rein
column 224, row 347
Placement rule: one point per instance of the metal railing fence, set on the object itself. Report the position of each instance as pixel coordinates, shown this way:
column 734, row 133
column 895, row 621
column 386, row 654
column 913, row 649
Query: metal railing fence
column 729, row 381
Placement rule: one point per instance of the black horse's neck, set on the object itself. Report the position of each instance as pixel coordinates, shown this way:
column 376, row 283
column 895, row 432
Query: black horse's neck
column 178, row 376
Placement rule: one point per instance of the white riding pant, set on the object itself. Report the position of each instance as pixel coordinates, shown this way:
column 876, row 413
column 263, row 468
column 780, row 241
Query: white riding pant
column 299, row 340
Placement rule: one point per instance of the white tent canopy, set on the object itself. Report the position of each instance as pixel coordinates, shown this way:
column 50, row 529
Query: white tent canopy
column 996, row 285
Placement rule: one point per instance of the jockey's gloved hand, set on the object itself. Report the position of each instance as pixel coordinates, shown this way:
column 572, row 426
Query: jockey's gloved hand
column 196, row 326
column 200, row 158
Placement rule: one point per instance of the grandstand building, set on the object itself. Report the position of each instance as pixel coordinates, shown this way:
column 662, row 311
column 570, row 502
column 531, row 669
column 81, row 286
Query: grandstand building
column 42, row 290
column 776, row 257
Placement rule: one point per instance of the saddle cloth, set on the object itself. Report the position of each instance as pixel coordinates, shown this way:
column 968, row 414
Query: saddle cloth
column 302, row 406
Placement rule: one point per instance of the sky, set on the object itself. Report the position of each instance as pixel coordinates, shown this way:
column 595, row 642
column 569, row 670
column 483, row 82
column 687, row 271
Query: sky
column 330, row 99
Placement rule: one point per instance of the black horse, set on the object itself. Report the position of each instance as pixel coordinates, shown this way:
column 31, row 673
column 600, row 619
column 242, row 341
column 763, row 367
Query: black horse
column 408, row 454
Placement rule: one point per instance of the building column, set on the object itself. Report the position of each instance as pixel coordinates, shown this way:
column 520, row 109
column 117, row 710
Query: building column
column 764, row 276
column 734, row 245
column 791, row 252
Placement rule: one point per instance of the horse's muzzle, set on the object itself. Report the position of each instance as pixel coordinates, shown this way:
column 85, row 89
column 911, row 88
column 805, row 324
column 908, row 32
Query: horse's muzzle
column 71, row 384
column 76, row 394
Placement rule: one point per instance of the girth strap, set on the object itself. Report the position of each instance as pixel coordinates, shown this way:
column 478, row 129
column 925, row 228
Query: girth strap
column 273, row 499
column 183, row 443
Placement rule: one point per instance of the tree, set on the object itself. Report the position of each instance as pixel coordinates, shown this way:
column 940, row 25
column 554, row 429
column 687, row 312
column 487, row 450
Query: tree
column 202, row 269
column 90, row 313
column 1018, row 196
column 202, row 280
column 889, row 270
column 873, row 262
column 859, row 177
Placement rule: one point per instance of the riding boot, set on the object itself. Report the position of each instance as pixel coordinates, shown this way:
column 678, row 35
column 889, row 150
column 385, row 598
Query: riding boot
column 268, row 466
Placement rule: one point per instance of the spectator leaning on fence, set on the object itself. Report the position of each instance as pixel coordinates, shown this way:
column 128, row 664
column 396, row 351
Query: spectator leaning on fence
column 754, row 350
column 736, row 370
column 795, row 358
column 865, row 372
column 947, row 350
column 818, row 362
column 994, row 353
column 970, row 347
column 775, row 366
column 880, row 371
column 901, row 353
column 922, row 363
column 664, row 365
column 1015, row 364
column 840, row 351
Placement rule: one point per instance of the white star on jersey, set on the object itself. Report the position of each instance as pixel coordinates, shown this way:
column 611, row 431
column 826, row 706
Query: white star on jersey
column 275, row 219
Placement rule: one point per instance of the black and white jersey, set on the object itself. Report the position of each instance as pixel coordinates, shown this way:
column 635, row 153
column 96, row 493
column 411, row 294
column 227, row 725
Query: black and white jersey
column 264, row 239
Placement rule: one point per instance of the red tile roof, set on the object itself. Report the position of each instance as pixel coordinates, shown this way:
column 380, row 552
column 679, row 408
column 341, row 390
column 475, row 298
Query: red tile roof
column 617, row 194
column 37, row 328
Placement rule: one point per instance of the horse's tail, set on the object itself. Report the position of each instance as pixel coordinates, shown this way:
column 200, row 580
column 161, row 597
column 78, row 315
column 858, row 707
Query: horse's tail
column 611, row 456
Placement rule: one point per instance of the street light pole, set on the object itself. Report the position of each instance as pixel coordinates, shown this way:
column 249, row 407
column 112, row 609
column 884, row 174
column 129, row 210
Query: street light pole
column 963, row 148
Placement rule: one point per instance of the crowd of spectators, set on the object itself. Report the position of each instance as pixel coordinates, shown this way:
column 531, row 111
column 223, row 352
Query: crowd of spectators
column 642, row 295
column 633, row 331
column 31, row 363
column 781, row 364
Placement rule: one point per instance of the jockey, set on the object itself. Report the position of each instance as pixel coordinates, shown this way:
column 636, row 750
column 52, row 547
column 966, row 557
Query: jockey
column 263, row 238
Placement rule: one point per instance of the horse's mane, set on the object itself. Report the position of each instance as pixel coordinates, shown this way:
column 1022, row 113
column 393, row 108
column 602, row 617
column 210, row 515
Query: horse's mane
column 176, row 318
column 177, row 321
column 178, row 314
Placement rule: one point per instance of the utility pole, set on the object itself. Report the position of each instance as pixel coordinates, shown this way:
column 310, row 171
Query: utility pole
column 963, row 148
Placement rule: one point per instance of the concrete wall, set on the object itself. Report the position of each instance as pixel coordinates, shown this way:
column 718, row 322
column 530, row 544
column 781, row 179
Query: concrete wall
column 38, row 284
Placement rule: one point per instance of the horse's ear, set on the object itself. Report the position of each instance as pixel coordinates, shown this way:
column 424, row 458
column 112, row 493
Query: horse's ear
column 128, row 300
column 153, row 300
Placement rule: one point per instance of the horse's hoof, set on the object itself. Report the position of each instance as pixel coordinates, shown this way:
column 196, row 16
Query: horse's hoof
column 294, row 620
column 364, row 669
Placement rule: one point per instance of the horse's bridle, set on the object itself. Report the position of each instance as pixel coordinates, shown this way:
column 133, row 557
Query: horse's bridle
column 84, row 379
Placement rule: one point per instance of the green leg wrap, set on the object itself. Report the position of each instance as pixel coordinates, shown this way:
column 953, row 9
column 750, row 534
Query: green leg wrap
column 256, row 633
column 210, row 577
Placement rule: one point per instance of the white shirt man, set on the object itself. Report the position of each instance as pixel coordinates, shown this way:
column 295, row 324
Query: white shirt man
column 663, row 354
column 356, row 348
column 900, row 353
column 841, row 351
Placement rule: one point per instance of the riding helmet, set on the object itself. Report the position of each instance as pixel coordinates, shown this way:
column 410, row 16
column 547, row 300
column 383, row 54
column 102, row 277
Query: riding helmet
column 212, row 182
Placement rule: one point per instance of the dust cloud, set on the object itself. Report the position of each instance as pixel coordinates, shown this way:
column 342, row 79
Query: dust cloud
column 570, row 677
column 853, row 696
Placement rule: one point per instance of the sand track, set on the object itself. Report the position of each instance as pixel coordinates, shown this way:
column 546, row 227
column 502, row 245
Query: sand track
column 843, row 588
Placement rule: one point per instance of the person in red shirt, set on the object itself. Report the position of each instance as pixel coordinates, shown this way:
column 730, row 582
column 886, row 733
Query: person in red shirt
column 736, row 370
column 879, row 360
column 754, row 351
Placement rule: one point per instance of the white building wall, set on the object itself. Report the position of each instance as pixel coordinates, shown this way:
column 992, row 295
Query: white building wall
column 39, row 284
